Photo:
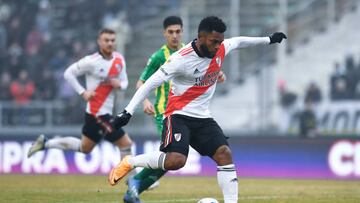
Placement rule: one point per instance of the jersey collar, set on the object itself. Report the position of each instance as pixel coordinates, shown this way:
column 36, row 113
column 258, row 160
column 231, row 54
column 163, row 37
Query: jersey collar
column 112, row 55
column 196, row 49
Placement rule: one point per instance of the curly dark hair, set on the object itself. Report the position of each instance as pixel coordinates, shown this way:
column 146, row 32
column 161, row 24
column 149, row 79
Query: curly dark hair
column 212, row 23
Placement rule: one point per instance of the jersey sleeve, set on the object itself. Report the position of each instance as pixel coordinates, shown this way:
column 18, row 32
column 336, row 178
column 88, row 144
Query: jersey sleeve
column 243, row 42
column 83, row 66
column 152, row 66
column 124, row 82
column 153, row 82
column 171, row 68
column 167, row 71
column 77, row 69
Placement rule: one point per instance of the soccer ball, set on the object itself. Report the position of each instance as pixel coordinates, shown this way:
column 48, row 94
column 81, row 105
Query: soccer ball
column 208, row 200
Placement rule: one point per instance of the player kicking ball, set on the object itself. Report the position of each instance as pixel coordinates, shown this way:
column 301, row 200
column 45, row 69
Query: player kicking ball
column 193, row 71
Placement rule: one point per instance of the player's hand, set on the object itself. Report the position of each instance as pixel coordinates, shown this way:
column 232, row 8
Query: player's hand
column 87, row 95
column 277, row 37
column 221, row 77
column 121, row 119
column 148, row 107
column 114, row 82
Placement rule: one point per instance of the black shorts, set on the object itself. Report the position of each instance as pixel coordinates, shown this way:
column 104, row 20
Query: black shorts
column 96, row 128
column 202, row 134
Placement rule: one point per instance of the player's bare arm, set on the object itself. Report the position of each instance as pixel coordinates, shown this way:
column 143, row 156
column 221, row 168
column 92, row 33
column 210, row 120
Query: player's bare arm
column 87, row 95
column 222, row 77
column 148, row 107
column 114, row 82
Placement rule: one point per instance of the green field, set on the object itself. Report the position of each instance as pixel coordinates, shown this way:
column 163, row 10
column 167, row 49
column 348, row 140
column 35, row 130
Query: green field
column 65, row 188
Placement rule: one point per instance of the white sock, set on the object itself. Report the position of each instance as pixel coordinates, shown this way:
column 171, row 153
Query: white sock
column 124, row 151
column 64, row 143
column 228, row 183
column 154, row 160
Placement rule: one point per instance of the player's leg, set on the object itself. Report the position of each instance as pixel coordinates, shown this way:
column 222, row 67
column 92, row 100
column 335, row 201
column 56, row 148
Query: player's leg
column 211, row 141
column 91, row 136
column 175, row 148
column 84, row 145
column 148, row 178
column 124, row 143
column 116, row 136
column 226, row 174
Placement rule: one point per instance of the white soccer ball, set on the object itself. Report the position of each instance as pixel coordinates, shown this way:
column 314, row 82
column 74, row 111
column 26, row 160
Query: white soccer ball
column 208, row 200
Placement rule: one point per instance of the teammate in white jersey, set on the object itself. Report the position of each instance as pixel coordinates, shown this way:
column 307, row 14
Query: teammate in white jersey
column 193, row 71
column 105, row 73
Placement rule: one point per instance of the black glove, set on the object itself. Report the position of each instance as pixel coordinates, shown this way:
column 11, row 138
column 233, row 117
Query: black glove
column 121, row 119
column 277, row 37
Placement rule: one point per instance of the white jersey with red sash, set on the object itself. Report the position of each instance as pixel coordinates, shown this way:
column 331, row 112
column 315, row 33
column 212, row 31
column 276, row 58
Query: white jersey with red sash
column 98, row 71
column 193, row 78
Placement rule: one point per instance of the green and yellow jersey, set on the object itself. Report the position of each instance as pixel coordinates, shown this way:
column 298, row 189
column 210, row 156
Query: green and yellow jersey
column 161, row 93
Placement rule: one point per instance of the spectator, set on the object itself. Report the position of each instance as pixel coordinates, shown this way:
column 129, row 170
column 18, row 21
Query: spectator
column 5, row 81
column 287, row 98
column 338, row 84
column 46, row 86
column 313, row 94
column 34, row 40
column 22, row 89
column 351, row 76
column 341, row 91
column 15, row 53
column 307, row 121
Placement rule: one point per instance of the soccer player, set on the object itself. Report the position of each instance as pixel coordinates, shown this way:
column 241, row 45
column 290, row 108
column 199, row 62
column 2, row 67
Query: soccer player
column 193, row 71
column 105, row 73
column 172, row 32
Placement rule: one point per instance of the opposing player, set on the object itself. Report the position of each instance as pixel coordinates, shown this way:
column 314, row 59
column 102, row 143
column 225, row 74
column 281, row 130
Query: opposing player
column 105, row 73
column 194, row 71
column 173, row 33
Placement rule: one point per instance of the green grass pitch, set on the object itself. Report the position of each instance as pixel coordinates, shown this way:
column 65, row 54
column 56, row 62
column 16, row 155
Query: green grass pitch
column 88, row 189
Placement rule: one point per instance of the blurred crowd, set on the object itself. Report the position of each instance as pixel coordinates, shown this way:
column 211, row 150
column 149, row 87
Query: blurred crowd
column 345, row 80
column 344, row 83
column 39, row 39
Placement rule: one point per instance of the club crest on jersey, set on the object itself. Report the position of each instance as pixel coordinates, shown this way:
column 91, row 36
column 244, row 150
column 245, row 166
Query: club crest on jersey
column 218, row 61
column 118, row 67
column 177, row 136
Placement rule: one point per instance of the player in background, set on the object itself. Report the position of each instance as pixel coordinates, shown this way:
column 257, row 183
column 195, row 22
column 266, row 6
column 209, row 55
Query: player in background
column 148, row 178
column 172, row 32
column 105, row 73
column 193, row 71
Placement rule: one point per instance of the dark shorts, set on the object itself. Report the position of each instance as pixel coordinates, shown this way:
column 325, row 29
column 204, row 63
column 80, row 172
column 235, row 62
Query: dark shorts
column 96, row 128
column 202, row 134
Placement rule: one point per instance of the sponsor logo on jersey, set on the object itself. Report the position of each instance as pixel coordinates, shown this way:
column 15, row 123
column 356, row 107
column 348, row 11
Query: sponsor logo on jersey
column 163, row 70
column 207, row 80
column 196, row 71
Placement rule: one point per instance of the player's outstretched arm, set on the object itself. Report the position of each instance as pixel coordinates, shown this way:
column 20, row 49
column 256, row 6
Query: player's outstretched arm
column 243, row 41
column 277, row 37
column 140, row 95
